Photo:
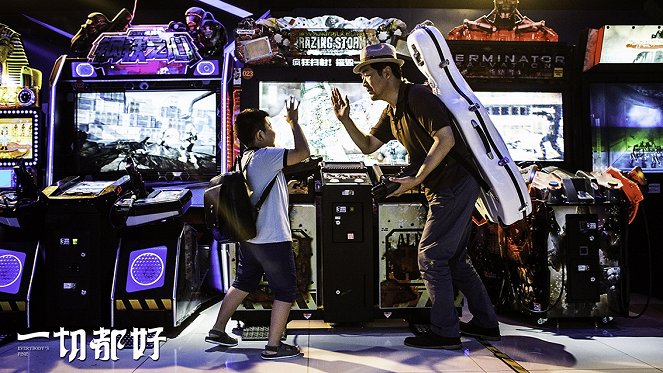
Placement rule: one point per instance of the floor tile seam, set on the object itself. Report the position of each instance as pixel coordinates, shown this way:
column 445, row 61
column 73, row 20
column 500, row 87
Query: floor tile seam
column 625, row 353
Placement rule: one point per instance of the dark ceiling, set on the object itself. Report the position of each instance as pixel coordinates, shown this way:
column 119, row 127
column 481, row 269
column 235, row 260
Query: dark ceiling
column 260, row 7
column 68, row 15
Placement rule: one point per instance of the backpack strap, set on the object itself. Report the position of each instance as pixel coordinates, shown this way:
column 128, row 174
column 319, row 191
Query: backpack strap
column 265, row 193
column 269, row 187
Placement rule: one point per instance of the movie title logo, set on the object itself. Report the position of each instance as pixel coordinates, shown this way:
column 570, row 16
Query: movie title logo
column 329, row 42
column 510, row 65
column 143, row 46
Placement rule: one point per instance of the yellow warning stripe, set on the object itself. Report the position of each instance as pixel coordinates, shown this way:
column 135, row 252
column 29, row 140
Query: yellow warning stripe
column 151, row 304
column 143, row 304
column 135, row 304
column 506, row 359
column 10, row 306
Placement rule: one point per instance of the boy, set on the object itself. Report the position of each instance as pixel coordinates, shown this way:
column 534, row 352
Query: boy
column 270, row 252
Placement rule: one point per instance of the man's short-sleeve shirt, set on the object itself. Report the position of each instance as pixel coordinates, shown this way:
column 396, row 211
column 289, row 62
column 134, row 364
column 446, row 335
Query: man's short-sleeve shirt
column 415, row 119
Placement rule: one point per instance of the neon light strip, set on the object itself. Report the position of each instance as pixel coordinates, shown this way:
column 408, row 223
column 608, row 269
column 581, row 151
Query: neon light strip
column 227, row 8
column 226, row 79
column 52, row 28
column 265, row 15
column 51, row 121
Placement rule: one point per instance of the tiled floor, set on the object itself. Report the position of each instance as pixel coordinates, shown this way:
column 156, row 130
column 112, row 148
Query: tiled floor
column 624, row 345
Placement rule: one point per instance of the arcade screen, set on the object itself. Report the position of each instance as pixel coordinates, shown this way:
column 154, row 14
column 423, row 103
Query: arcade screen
column 171, row 135
column 324, row 132
column 627, row 126
column 530, row 123
column 18, row 136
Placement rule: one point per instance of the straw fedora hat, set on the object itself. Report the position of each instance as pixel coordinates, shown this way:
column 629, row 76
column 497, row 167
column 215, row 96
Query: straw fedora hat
column 377, row 53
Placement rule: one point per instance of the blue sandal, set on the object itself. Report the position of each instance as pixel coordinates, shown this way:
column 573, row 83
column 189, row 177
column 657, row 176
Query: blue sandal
column 282, row 351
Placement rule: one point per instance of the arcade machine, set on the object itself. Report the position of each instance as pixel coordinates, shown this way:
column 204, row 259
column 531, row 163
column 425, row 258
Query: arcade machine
column 21, row 219
column 523, row 77
column 159, row 268
column 79, row 242
column 20, row 161
column 305, row 58
column 568, row 258
column 149, row 94
column 622, row 97
column 347, row 232
column 400, row 221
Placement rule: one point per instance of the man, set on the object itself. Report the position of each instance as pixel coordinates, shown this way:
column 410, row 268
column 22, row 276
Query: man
column 420, row 121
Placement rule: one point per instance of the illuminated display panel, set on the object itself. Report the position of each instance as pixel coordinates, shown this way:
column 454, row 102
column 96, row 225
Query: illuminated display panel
column 18, row 136
column 627, row 126
column 172, row 135
column 324, row 132
column 530, row 123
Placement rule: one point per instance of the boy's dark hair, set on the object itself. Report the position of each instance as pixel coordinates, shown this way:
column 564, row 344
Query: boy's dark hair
column 395, row 68
column 248, row 123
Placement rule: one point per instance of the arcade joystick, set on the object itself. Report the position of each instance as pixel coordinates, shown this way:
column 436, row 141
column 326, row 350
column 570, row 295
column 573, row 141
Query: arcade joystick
column 385, row 187
column 25, row 182
column 143, row 208
column 138, row 185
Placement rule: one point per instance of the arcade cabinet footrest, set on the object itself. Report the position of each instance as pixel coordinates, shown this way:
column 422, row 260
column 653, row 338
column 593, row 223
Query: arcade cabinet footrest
column 258, row 333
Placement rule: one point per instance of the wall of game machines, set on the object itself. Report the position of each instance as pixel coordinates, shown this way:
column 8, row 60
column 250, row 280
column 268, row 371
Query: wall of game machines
column 532, row 95
column 301, row 60
column 95, row 191
column 621, row 100
column 579, row 125
column 146, row 113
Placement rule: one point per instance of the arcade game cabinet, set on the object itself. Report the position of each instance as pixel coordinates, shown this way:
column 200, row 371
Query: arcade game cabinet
column 569, row 258
column 149, row 94
column 400, row 221
column 20, row 162
column 159, row 267
column 296, row 57
column 623, row 95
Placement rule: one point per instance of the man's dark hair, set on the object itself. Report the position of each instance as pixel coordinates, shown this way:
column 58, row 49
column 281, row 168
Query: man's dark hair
column 248, row 123
column 395, row 68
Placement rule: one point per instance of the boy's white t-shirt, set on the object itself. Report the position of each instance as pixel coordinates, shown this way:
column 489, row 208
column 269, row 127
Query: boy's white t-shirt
column 260, row 166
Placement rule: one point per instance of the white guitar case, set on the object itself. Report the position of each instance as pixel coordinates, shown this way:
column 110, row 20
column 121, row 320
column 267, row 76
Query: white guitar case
column 506, row 199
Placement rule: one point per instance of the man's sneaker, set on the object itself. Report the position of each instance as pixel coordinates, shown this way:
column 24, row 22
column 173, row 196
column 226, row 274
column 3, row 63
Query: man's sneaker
column 488, row 334
column 220, row 338
column 432, row 340
column 282, row 351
